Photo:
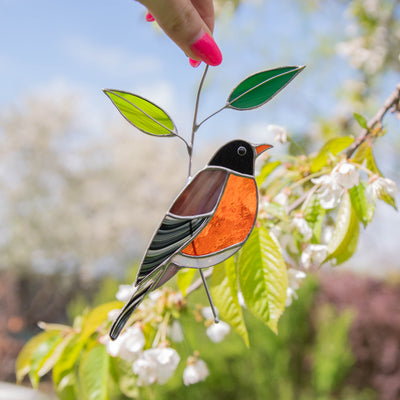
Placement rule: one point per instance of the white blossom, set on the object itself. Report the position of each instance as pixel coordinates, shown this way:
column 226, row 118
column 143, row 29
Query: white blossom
column 175, row 332
column 128, row 345
column 380, row 185
column 329, row 192
column 279, row 132
column 295, row 276
column 281, row 198
column 113, row 314
column 217, row 332
column 207, row 312
column 195, row 372
column 155, row 366
column 346, row 175
column 125, row 292
column 302, row 226
column 313, row 254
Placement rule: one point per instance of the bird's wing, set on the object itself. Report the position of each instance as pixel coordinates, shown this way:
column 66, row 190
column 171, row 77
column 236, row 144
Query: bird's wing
column 188, row 215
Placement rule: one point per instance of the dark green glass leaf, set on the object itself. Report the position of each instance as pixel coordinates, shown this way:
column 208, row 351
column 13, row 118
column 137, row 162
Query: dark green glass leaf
column 361, row 120
column 142, row 113
column 259, row 88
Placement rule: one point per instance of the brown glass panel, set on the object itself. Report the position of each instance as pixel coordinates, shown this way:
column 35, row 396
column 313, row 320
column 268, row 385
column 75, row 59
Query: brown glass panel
column 232, row 221
column 202, row 194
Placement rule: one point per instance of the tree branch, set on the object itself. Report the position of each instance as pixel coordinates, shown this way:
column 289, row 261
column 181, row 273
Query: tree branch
column 391, row 102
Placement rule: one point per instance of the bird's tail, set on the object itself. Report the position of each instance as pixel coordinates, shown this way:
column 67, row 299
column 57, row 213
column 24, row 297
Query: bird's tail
column 159, row 277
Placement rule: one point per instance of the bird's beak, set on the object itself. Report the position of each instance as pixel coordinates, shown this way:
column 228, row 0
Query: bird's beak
column 261, row 148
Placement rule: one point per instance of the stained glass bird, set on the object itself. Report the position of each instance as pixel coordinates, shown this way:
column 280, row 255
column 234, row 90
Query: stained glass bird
column 209, row 221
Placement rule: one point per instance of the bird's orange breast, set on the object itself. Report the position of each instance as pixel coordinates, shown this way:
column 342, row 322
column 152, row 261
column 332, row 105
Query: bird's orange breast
column 232, row 221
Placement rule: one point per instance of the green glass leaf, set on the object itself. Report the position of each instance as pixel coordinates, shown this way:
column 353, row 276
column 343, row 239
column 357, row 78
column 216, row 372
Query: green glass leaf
column 93, row 373
column 266, row 170
column 259, row 88
column 330, row 148
column 361, row 120
column 29, row 358
column 142, row 113
column 98, row 316
column 224, row 291
column 184, row 279
column 363, row 208
column 314, row 215
column 263, row 277
column 345, row 236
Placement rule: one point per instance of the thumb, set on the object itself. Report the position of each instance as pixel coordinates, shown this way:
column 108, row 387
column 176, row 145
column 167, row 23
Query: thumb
column 183, row 23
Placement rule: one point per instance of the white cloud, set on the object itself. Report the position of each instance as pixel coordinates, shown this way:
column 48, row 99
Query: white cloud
column 112, row 59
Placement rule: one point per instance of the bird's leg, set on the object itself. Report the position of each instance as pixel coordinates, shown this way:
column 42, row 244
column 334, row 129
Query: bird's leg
column 214, row 311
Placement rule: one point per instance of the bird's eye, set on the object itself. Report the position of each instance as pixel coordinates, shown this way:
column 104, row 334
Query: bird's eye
column 241, row 150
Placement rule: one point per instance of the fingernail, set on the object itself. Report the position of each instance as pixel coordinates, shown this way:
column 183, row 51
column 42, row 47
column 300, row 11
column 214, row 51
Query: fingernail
column 194, row 63
column 149, row 17
column 206, row 49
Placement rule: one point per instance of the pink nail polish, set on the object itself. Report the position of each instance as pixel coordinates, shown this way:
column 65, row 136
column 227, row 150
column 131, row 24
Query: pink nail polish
column 194, row 63
column 149, row 17
column 206, row 49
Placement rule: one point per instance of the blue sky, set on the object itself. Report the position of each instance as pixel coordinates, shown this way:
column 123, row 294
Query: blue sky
column 89, row 45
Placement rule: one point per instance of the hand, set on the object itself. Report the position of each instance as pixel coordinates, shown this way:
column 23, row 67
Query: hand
column 189, row 23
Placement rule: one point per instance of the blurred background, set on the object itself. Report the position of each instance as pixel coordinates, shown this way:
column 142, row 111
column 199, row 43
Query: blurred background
column 81, row 191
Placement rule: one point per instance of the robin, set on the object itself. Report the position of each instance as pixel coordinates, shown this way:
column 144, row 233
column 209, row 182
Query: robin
column 209, row 221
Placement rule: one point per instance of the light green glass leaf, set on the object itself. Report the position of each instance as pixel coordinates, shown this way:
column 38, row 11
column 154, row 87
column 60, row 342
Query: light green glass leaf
column 142, row 113
column 266, row 170
column 184, row 279
column 224, row 291
column 363, row 208
column 33, row 352
column 98, row 316
column 263, row 277
column 331, row 147
column 345, row 236
column 259, row 88
column 93, row 373
column 314, row 215
column 361, row 120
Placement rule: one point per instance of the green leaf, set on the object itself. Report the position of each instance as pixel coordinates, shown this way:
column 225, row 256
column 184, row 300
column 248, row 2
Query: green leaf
column 383, row 195
column 184, row 279
column 224, row 290
column 361, row 120
column 363, row 208
column 276, row 210
column 263, row 277
column 93, row 373
column 331, row 147
column 371, row 163
column 259, row 88
column 142, row 113
column 98, row 316
column 314, row 215
column 64, row 367
column 30, row 357
column 127, row 380
column 266, row 170
column 345, row 236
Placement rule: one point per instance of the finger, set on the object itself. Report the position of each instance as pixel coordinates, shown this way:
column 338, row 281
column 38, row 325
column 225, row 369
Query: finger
column 205, row 8
column 182, row 22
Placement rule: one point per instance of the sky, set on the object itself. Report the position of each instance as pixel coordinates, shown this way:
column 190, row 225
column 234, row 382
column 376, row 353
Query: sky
column 56, row 46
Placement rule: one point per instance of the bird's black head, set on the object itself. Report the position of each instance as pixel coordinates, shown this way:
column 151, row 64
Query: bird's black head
column 238, row 156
